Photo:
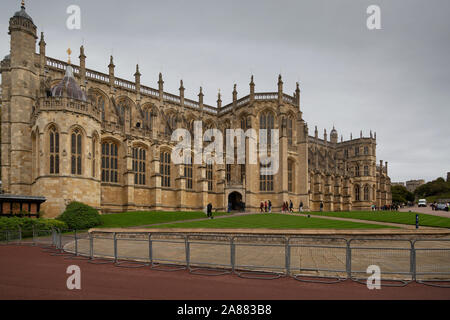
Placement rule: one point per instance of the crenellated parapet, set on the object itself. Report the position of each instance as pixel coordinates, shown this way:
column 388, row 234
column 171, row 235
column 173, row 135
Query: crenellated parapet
column 67, row 105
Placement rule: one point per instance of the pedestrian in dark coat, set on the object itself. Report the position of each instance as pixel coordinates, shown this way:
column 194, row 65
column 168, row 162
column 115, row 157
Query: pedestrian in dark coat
column 209, row 211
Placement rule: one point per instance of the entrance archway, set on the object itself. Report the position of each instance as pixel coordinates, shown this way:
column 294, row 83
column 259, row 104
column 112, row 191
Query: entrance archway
column 235, row 200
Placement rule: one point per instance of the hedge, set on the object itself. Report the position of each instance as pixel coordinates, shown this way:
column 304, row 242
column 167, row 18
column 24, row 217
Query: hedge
column 80, row 216
column 27, row 223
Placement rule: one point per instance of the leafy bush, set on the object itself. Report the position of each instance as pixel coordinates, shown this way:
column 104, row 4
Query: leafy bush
column 27, row 223
column 80, row 216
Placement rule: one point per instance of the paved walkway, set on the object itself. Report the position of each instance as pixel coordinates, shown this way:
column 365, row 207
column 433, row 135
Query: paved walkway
column 28, row 273
column 426, row 210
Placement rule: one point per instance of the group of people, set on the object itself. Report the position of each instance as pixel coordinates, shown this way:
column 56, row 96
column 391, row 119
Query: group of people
column 266, row 206
column 440, row 206
column 287, row 207
column 387, row 207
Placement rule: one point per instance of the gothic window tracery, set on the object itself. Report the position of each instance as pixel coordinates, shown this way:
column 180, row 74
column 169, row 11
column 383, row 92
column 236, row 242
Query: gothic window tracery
column 366, row 193
column 54, row 150
column 357, row 198
column 291, row 176
column 109, row 162
column 164, row 168
column 267, row 121
column 289, row 131
column 139, row 165
column 209, row 175
column 76, row 149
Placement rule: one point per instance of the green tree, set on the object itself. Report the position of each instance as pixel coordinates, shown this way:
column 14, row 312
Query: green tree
column 432, row 188
column 401, row 195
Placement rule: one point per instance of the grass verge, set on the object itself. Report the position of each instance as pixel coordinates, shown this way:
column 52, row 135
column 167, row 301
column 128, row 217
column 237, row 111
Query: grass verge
column 272, row 221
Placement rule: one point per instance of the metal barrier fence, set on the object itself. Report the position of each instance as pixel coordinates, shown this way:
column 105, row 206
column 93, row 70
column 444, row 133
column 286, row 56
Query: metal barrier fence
column 318, row 259
column 428, row 250
column 304, row 258
column 396, row 261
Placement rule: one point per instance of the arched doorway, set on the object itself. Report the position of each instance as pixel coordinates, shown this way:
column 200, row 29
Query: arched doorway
column 235, row 200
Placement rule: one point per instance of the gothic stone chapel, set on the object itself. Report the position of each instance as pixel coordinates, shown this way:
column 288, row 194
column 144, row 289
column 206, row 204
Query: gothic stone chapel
column 72, row 133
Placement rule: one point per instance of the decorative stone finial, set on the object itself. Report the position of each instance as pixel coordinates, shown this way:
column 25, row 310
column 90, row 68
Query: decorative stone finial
column 137, row 71
column 69, row 52
column 111, row 62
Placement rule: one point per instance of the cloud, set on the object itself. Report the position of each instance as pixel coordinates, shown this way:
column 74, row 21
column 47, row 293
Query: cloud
column 394, row 81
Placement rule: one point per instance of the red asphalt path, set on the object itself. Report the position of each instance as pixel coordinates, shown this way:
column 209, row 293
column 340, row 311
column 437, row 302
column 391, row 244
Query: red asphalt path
column 29, row 273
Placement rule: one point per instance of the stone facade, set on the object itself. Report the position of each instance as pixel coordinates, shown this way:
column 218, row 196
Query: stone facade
column 412, row 185
column 111, row 150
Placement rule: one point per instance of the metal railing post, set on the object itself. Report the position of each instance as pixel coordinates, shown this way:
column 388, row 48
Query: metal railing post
column 150, row 249
column 91, row 246
column 233, row 254
column 115, row 246
column 287, row 251
column 76, row 243
column 59, row 237
column 348, row 259
column 188, row 251
column 413, row 261
column 34, row 234
column 54, row 243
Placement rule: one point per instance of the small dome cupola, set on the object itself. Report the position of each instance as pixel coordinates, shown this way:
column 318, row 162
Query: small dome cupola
column 68, row 86
column 22, row 13
column 334, row 135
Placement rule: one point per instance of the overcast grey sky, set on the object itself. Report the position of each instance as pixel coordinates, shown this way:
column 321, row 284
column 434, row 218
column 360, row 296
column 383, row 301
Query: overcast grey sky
column 395, row 81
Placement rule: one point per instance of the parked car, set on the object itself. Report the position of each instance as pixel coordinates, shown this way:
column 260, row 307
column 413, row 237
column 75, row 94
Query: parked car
column 422, row 203
column 441, row 206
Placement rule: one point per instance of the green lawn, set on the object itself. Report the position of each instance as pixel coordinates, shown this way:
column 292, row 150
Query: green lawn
column 272, row 221
column 394, row 217
column 431, row 199
column 141, row 218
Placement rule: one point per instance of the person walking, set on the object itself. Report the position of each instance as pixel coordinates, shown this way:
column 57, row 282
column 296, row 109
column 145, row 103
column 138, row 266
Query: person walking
column 291, row 206
column 265, row 206
column 209, row 208
column 321, row 206
column 300, row 207
column 270, row 206
column 261, row 206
